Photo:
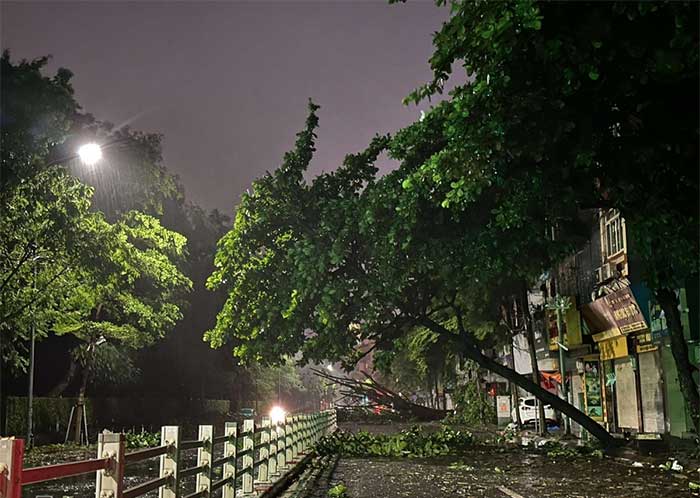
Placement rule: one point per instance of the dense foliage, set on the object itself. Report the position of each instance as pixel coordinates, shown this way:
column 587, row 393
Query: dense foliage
column 571, row 106
column 563, row 109
column 66, row 267
column 413, row 442
column 473, row 407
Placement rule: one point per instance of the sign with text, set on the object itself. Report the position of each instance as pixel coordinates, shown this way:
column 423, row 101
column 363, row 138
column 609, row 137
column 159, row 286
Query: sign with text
column 614, row 314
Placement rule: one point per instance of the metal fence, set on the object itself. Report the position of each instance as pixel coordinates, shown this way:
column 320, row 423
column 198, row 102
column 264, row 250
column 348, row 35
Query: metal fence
column 254, row 459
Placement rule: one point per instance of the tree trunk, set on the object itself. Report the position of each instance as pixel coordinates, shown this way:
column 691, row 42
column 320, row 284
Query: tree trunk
column 533, row 358
column 79, row 408
column 514, row 389
column 473, row 352
column 61, row 387
column 679, row 348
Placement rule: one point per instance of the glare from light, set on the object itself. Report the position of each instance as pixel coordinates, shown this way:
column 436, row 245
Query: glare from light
column 277, row 415
column 90, row 154
column 329, row 368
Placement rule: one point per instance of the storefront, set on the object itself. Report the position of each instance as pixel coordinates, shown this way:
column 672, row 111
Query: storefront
column 630, row 364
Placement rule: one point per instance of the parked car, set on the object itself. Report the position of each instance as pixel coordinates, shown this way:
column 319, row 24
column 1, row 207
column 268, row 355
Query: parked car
column 246, row 413
column 529, row 412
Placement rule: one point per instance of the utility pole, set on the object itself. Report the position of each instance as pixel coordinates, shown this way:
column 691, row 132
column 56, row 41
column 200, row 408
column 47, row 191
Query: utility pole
column 30, row 397
column 561, row 304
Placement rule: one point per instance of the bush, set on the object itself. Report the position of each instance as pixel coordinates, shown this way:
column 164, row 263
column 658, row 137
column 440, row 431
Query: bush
column 472, row 407
column 50, row 415
column 143, row 439
column 409, row 443
column 338, row 491
column 555, row 449
column 367, row 415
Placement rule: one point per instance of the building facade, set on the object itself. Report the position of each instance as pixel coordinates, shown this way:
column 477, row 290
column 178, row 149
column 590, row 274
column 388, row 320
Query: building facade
column 618, row 364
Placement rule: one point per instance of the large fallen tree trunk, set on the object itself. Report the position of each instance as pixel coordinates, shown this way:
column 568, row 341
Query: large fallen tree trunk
column 473, row 352
column 379, row 395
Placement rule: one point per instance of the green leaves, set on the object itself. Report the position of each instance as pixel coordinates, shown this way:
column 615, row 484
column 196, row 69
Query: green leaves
column 411, row 443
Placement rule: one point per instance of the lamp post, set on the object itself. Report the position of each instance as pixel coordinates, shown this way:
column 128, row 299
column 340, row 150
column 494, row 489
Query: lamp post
column 560, row 306
column 30, row 395
column 90, row 154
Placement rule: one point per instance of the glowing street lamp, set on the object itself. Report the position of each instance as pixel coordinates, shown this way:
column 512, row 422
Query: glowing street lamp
column 90, row 154
column 277, row 415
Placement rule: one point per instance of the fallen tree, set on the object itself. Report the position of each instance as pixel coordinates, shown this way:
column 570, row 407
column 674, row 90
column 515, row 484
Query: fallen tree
column 316, row 268
column 379, row 395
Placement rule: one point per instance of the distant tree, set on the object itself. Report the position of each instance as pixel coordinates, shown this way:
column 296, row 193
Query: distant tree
column 420, row 361
column 38, row 112
column 129, row 291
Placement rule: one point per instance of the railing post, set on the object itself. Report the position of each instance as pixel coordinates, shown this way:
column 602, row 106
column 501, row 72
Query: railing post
column 300, row 436
column 296, row 433
column 288, row 441
column 281, row 447
column 248, row 457
column 264, row 452
column 272, row 453
column 229, row 472
column 170, row 436
column 11, row 457
column 205, row 457
column 316, row 432
column 307, row 433
column 110, row 481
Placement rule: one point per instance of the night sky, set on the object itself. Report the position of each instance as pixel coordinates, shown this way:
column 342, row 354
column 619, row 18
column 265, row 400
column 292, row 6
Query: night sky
column 228, row 83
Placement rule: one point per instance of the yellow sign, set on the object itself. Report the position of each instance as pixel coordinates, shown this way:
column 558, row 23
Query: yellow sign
column 644, row 344
column 613, row 348
column 646, row 348
column 573, row 327
column 608, row 334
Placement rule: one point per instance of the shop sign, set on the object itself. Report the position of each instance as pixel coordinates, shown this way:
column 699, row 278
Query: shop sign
column 644, row 343
column 613, row 348
column 626, row 311
column 503, row 407
column 592, row 390
column 646, row 348
column 614, row 314
column 571, row 328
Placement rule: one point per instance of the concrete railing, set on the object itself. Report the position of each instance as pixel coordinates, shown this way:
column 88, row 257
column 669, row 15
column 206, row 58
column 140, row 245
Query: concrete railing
column 255, row 459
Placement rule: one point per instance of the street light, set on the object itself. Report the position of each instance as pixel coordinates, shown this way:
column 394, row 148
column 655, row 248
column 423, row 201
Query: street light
column 90, row 153
column 277, row 415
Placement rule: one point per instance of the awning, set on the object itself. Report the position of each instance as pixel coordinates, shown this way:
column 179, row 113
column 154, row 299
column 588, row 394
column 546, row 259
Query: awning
column 551, row 377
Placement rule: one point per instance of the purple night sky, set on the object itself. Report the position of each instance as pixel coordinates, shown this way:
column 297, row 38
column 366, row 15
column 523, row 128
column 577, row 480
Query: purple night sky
column 227, row 83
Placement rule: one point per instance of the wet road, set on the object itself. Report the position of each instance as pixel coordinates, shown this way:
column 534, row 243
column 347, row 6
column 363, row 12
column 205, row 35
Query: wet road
column 488, row 474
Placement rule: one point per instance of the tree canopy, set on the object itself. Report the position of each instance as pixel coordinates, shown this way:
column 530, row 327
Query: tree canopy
column 563, row 110
column 65, row 266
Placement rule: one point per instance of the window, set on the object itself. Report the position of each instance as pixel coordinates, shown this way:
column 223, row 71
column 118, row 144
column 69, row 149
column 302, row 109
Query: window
column 614, row 234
